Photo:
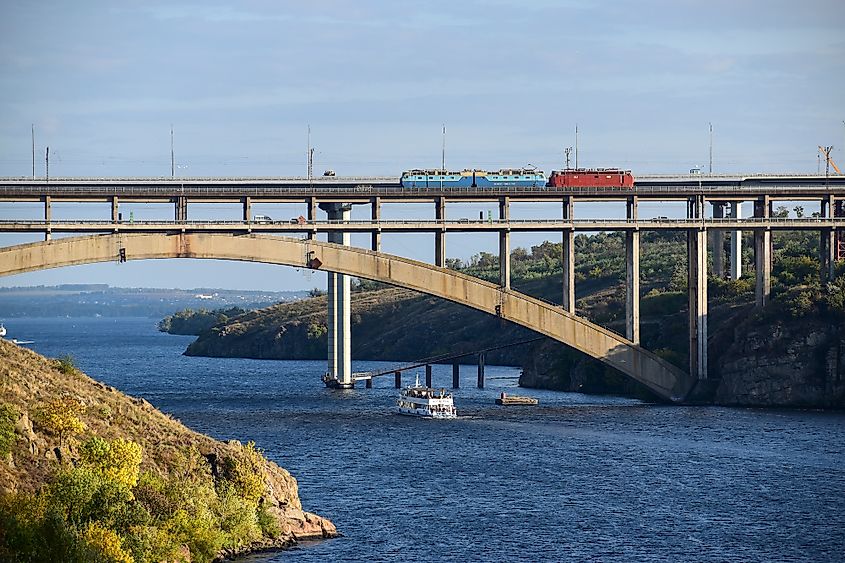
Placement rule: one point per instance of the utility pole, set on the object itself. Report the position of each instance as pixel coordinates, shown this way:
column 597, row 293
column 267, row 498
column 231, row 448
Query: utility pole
column 443, row 158
column 711, row 148
column 576, row 145
column 172, row 155
column 33, row 150
column 567, row 150
column 309, row 155
column 827, row 151
column 47, row 168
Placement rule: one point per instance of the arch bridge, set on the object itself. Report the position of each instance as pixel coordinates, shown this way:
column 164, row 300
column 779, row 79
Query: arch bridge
column 664, row 379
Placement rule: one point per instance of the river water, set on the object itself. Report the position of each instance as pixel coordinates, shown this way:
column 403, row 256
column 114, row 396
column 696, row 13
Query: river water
column 577, row 478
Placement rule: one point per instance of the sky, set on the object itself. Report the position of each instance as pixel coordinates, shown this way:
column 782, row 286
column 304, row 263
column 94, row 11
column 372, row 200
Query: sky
column 240, row 82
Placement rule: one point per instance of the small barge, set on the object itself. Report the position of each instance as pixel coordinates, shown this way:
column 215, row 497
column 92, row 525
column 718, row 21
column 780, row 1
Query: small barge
column 505, row 399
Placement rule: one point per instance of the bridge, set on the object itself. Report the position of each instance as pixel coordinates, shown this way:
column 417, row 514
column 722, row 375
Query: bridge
column 114, row 238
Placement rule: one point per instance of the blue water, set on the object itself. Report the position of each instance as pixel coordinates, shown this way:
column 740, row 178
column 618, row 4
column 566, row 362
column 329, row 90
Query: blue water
column 577, row 478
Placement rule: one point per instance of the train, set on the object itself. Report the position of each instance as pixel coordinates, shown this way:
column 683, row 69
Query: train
column 519, row 177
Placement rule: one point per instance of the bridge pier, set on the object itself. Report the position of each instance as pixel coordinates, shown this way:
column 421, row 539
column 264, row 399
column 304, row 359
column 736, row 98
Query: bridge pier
column 481, row 371
column 828, row 242
column 339, row 307
column 632, row 262
column 504, row 245
column 568, row 258
column 456, row 375
column 246, row 201
column 181, row 211
column 115, row 210
column 736, row 242
column 697, row 289
column 428, row 375
column 717, row 241
column 48, row 216
column 375, row 215
column 397, row 379
column 762, row 254
column 311, row 215
column 440, row 234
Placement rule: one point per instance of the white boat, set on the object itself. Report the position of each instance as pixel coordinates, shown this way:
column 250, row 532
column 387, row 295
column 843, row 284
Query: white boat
column 417, row 400
column 2, row 331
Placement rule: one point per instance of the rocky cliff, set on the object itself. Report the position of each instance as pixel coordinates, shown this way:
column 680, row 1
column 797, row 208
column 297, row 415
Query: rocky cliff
column 40, row 397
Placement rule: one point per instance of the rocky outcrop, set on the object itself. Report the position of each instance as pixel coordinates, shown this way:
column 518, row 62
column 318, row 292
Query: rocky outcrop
column 794, row 363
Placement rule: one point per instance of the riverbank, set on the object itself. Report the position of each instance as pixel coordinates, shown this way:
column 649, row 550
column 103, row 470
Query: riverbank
column 103, row 473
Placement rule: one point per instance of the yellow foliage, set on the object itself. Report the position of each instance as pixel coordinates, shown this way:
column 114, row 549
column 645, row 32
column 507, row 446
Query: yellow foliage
column 105, row 544
column 61, row 416
column 119, row 460
column 246, row 474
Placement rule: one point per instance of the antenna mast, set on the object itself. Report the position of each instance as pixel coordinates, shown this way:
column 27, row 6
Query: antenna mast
column 47, row 169
column 172, row 157
column 711, row 148
column 310, row 157
column 576, row 145
column 33, row 150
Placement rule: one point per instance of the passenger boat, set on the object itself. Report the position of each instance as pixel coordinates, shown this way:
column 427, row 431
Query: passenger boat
column 2, row 331
column 417, row 400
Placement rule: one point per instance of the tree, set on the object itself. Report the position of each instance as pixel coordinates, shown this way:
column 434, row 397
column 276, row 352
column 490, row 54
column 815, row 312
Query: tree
column 61, row 417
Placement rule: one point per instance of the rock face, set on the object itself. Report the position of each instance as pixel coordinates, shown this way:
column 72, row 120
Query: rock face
column 794, row 363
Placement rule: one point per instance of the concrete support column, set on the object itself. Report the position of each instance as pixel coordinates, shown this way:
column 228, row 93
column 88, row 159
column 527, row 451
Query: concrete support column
column 247, row 209
column 568, row 258
column 763, row 265
column 827, row 254
column 115, row 209
column 717, row 241
column 632, row 295
column 481, row 371
column 48, row 216
column 311, row 214
column 736, row 242
column 397, row 379
column 181, row 204
column 456, row 375
column 375, row 215
column 368, row 383
column 697, row 287
column 504, row 244
column 339, row 307
column 428, row 375
column 440, row 235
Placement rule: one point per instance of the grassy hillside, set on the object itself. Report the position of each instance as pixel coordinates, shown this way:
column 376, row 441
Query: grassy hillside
column 90, row 474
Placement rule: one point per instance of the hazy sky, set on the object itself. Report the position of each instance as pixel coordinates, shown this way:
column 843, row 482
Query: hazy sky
column 240, row 81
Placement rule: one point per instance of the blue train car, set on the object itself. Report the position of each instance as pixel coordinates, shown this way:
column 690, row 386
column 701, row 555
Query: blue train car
column 525, row 177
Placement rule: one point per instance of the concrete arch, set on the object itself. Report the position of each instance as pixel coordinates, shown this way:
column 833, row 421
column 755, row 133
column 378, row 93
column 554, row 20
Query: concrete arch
column 663, row 378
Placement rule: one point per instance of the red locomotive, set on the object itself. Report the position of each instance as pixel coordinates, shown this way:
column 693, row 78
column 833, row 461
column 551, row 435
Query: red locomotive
column 591, row 178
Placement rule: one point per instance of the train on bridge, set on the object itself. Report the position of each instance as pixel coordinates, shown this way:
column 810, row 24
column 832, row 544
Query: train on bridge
column 519, row 177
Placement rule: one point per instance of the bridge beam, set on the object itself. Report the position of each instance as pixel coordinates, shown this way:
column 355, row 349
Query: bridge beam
column 339, row 331
column 568, row 258
column 504, row 245
column 632, row 269
column 717, row 241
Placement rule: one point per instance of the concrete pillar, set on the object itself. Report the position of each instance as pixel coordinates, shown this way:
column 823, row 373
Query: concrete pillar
column 717, row 241
column 375, row 215
column 48, row 216
column 311, row 214
column 368, row 383
column 827, row 254
column 504, row 245
column 736, row 242
column 697, row 288
column 456, row 375
column 247, row 212
column 568, row 258
column 115, row 210
column 763, row 254
column 339, row 306
column 397, row 379
column 440, row 235
column 428, row 375
column 632, row 295
column 481, row 371
column 181, row 208
column 763, row 265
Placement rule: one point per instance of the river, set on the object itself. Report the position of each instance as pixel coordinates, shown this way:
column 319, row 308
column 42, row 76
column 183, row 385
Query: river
column 576, row 478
